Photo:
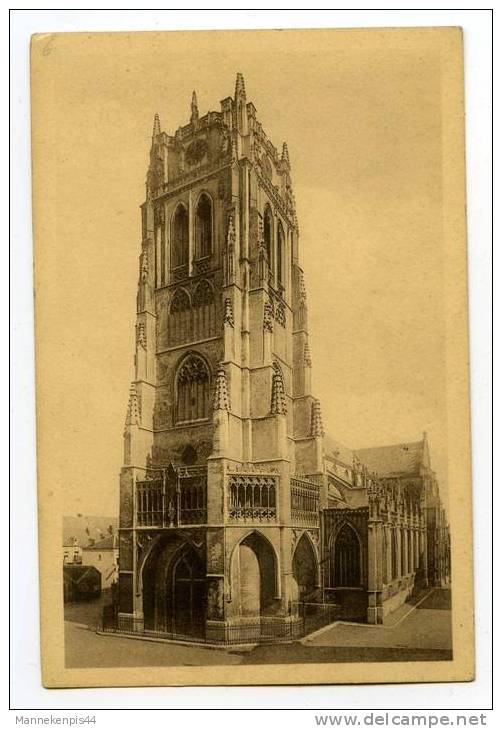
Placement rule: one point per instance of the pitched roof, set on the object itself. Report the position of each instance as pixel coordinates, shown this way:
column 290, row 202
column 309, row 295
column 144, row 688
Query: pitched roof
column 403, row 458
column 84, row 527
column 334, row 449
column 106, row 543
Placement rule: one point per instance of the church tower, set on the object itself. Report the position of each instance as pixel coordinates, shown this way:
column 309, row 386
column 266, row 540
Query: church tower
column 222, row 482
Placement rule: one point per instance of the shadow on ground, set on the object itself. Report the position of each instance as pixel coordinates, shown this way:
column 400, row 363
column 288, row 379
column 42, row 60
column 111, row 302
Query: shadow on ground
column 423, row 634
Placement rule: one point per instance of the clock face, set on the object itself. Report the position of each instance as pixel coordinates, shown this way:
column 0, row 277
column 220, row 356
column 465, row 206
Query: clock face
column 196, row 151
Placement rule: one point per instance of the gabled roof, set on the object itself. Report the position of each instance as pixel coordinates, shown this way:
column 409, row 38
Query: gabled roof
column 392, row 460
column 106, row 543
column 84, row 527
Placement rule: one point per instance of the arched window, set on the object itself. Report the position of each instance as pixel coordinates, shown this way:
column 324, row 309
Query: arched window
column 203, row 227
column 404, row 556
column 280, row 253
column 394, row 547
column 179, row 318
column 179, row 237
column 268, row 228
column 204, row 312
column 345, row 558
column 192, row 390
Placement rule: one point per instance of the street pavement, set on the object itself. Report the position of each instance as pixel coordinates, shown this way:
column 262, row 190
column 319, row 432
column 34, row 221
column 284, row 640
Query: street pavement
column 420, row 632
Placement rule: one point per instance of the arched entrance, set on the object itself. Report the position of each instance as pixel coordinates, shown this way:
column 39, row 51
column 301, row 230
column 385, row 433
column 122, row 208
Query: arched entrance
column 188, row 582
column 305, row 570
column 345, row 558
column 174, row 589
column 254, row 576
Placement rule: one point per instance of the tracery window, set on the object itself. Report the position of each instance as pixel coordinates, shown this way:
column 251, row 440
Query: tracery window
column 394, row 547
column 345, row 557
column 179, row 237
column 268, row 233
column 179, row 318
column 280, row 254
column 203, row 312
column 203, row 227
column 192, row 390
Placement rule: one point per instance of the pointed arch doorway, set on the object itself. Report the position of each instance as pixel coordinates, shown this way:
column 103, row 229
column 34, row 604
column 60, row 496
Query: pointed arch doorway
column 305, row 568
column 188, row 585
column 174, row 590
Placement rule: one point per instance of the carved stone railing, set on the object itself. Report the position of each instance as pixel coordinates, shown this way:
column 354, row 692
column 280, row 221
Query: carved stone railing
column 252, row 498
column 173, row 501
column 304, row 502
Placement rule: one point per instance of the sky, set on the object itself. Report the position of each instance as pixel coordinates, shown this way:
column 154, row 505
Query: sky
column 362, row 118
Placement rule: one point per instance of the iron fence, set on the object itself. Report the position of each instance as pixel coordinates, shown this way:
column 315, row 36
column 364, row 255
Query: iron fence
column 304, row 619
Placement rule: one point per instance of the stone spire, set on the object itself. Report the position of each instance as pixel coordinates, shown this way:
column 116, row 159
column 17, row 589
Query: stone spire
column 240, row 89
column 133, row 411
column 317, row 429
column 220, row 400
column 194, row 118
column 278, row 402
column 156, row 127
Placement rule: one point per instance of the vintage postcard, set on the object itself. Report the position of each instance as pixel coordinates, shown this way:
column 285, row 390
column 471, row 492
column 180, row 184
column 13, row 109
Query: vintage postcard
column 252, row 357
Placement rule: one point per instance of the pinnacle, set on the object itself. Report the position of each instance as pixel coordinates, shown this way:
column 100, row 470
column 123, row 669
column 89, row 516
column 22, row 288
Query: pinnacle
column 278, row 404
column 156, row 126
column 195, row 109
column 285, row 153
column 220, row 400
column 239, row 85
column 132, row 417
column 317, row 426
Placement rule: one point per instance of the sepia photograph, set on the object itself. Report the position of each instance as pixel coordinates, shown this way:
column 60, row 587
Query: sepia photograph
column 252, row 357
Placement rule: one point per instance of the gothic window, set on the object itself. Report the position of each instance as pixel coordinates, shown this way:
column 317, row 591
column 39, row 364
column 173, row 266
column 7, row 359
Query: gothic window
column 203, row 227
column 179, row 318
column 280, row 254
column 404, row 566
column 179, row 237
column 203, row 312
column 345, row 557
column 192, row 390
column 394, row 547
column 268, row 233
column 160, row 243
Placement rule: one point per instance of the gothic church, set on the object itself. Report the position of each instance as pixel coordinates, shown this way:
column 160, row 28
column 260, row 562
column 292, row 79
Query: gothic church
column 235, row 507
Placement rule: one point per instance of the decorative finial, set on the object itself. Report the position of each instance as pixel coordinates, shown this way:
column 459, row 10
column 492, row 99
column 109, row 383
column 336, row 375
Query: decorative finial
column 285, row 154
column 156, row 126
column 231, row 232
column 133, row 413
column 317, row 429
column 194, row 118
column 306, row 355
column 228, row 314
column 268, row 317
column 220, row 400
column 239, row 86
column 278, row 401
